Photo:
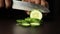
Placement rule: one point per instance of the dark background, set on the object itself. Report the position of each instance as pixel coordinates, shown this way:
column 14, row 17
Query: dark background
column 54, row 8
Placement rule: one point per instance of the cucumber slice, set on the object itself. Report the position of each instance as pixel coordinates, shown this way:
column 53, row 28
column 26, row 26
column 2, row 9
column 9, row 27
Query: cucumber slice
column 35, row 24
column 25, row 24
column 36, row 14
column 19, row 21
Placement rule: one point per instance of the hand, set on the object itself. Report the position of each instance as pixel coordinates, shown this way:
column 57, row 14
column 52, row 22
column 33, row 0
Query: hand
column 41, row 2
column 5, row 3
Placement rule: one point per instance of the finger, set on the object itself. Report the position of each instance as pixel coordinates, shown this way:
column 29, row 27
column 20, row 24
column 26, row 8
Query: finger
column 46, row 4
column 29, row 0
column 1, row 3
column 37, row 1
column 32, row 1
column 8, row 3
column 43, row 2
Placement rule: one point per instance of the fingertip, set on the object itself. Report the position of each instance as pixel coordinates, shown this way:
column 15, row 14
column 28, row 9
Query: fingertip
column 42, row 2
column 37, row 1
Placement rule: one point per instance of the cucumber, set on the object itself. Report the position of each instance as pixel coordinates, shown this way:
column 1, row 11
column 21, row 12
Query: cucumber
column 36, row 14
column 35, row 24
column 25, row 24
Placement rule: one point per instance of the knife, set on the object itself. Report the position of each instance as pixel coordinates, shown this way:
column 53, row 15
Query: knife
column 20, row 5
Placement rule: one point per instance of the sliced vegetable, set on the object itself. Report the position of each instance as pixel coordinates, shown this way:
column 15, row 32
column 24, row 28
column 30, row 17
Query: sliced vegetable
column 36, row 14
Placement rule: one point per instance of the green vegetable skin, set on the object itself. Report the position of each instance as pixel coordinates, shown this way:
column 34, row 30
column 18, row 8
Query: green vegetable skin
column 36, row 17
column 35, row 22
column 25, row 23
column 31, row 21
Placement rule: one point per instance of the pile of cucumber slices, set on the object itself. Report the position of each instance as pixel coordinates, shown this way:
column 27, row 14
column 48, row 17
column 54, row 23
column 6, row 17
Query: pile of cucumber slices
column 35, row 19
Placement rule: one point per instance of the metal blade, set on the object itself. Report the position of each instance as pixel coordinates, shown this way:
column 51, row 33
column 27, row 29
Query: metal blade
column 20, row 5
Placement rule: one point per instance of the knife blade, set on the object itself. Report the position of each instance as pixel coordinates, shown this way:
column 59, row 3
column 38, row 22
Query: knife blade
column 20, row 5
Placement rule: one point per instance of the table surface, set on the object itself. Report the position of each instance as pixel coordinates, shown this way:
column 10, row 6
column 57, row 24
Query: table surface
column 9, row 27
